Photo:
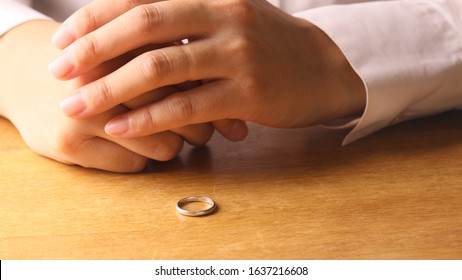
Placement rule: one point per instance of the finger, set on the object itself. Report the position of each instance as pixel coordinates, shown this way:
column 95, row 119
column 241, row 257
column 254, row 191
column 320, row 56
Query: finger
column 196, row 135
column 150, row 97
column 152, row 70
column 102, row 154
column 110, row 66
column 162, row 146
column 209, row 102
column 232, row 129
column 153, row 23
column 90, row 18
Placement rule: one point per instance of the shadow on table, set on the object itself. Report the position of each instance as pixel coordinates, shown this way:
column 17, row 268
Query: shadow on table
column 269, row 150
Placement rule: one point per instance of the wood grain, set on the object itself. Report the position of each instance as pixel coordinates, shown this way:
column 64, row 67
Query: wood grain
column 282, row 194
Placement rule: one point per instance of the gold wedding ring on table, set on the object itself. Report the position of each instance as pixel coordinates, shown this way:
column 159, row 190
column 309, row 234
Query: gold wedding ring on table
column 195, row 213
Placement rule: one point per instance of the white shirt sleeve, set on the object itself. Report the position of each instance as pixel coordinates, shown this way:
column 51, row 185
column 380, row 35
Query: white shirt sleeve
column 13, row 13
column 408, row 54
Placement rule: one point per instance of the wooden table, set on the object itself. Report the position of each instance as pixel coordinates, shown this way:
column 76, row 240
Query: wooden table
column 282, row 194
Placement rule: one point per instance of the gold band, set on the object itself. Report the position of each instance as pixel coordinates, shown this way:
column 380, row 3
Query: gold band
column 201, row 198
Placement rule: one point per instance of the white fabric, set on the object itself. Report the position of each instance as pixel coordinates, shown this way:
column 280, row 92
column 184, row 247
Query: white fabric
column 407, row 52
column 13, row 13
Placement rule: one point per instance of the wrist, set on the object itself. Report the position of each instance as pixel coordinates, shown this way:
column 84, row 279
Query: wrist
column 344, row 92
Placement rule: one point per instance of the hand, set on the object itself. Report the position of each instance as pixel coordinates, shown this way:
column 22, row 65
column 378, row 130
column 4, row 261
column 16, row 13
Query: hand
column 262, row 65
column 30, row 99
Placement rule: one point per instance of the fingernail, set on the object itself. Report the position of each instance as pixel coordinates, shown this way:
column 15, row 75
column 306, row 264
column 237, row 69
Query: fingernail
column 61, row 66
column 117, row 126
column 73, row 105
column 63, row 37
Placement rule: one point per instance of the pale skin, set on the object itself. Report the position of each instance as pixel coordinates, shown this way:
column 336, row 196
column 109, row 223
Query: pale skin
column 30, row 97
column 260, row 64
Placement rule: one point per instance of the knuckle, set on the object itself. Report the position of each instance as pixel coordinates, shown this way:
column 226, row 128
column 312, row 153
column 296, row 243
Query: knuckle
column 242, row 11
column 154, row 65
column 136, row 165
column 243, row 48
column 147, row 16
column 181, row 108
column 145, row 119
column 87, row 48
column 133, row 3
column 168, row 147
column 204, row 137
column 254, row 87
column 104, row 95
column 248, row 62
column 85, row 21
column 66, row 143
column 177, row 147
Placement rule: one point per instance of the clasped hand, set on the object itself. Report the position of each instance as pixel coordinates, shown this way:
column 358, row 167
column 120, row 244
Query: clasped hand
column 30, row 97
column 255, row 63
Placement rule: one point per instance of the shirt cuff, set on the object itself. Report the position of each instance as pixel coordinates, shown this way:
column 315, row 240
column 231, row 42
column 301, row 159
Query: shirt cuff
column 13, row 13
column 408, row 54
